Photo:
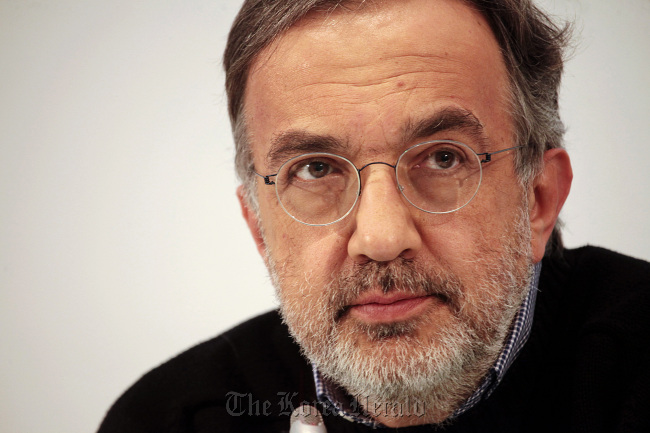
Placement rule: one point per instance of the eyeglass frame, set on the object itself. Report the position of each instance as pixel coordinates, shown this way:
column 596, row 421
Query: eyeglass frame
column 484, row 157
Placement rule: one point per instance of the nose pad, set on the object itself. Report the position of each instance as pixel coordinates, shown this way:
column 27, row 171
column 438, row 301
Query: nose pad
column 385, row 229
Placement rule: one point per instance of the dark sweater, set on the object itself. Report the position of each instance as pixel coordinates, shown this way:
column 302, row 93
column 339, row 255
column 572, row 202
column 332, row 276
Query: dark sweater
column 585, row 367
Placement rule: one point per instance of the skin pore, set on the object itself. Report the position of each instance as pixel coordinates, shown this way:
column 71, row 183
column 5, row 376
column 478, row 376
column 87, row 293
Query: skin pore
column 391, row 302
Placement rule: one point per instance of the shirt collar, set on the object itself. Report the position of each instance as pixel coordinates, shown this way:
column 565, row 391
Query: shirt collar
column 336, row 400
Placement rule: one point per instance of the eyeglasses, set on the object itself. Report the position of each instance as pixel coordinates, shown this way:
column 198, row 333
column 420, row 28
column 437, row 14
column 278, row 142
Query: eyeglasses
column 437, row 177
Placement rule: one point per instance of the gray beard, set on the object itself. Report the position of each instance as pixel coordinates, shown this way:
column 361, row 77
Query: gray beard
column 438, row 372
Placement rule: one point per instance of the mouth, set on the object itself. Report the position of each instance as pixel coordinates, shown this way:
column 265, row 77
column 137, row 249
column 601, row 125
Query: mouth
column 390, row 308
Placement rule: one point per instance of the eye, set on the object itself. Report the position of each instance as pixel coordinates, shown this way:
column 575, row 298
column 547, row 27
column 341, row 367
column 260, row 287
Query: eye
column 442, row 158
column 313, row 169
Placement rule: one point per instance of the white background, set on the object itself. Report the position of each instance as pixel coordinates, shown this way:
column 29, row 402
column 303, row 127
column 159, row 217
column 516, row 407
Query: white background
column 120, row 237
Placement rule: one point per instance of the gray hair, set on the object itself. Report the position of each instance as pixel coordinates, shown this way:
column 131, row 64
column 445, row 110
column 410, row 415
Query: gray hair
column 533, row 49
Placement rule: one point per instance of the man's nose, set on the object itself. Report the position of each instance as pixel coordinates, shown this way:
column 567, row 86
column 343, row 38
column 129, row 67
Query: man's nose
column 384, row 226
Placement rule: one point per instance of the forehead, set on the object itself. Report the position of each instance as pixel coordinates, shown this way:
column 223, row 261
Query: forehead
column 366, row 72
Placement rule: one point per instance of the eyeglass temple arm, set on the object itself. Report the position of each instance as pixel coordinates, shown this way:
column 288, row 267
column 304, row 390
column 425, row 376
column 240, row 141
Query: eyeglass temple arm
column 488, row 155
column 267, row 180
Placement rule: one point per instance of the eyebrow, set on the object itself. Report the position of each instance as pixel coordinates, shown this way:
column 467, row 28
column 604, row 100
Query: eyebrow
column 448, row 119
column 292, row 143
column 296, row 142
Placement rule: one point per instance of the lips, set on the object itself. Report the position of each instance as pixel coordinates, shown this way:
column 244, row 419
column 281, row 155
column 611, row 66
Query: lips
column 397, row 307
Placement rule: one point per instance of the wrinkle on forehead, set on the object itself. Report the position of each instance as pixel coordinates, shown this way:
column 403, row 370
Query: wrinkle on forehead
column 359, row 66
column 376, row 73
column 378, row 79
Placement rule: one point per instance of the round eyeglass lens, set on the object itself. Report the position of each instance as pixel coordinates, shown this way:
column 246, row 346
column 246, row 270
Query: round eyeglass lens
column 317, row 188
column 439, row 176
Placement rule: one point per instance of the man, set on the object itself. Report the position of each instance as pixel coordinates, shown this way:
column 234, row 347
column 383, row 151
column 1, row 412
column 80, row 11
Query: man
column 403, row 173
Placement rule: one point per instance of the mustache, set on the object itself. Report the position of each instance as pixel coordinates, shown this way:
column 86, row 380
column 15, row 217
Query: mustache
column 398, row 276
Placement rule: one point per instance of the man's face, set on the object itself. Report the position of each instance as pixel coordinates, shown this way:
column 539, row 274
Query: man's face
column 391, row 292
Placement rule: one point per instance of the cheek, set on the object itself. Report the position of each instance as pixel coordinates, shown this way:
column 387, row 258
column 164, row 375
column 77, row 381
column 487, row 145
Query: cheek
column 450, row 246
column 305, row 254
column 455, row 241
column 274, row 224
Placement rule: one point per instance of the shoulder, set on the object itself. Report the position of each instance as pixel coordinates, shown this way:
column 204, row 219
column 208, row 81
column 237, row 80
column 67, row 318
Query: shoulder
column 600, row 284
column 257, row 358
column 597, row 289
column 603, row 264
column 608, row 265
column 586, row 359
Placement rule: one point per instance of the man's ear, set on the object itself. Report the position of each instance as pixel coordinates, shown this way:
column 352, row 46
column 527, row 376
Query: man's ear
column 252, row 221
column 546, row 198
